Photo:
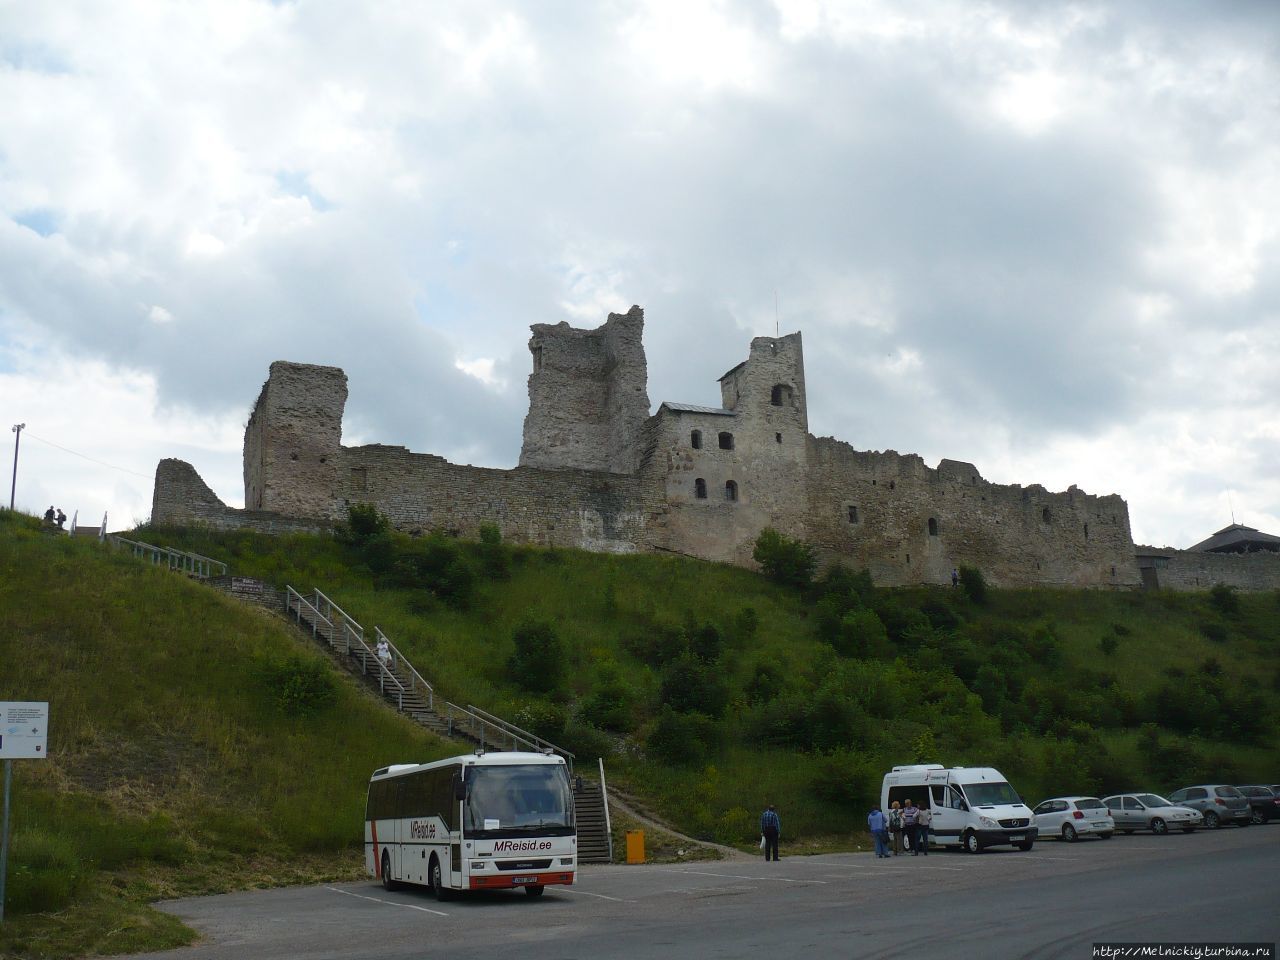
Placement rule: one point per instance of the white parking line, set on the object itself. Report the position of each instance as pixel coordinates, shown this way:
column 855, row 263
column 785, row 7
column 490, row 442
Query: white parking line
column 734, row 876
column 1036, row 856
column 390, row 903
column 601, row 896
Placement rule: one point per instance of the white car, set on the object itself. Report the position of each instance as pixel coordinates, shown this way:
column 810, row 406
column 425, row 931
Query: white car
column 1070, row 818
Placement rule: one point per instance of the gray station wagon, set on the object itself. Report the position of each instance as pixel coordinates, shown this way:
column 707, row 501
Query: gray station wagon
column 1219, row 803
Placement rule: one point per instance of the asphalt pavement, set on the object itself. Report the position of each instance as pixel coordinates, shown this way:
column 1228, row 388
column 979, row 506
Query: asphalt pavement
column 1055, row 901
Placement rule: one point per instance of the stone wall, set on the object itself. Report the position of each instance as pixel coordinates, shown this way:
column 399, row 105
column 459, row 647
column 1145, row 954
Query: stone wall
column 181, row 498
column 908, row 523
column 588, row 399
column 292, row 441
column 1192, row 570
column 418, row 492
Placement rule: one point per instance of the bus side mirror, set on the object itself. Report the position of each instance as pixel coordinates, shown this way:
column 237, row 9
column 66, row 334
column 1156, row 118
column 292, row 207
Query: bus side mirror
column 459, row 788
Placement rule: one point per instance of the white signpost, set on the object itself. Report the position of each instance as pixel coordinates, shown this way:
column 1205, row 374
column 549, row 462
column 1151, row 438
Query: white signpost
column 24, row 735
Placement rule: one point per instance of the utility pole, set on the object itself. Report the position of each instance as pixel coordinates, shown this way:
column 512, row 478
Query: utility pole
column 17, row 438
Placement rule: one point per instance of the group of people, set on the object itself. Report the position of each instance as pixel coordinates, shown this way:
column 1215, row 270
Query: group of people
column 55, row 517
column 904, row 828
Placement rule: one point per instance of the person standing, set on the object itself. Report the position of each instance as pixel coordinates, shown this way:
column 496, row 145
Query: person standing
column 895, row 826
column 876, row 824
column 923, row 820
column 955, row 577
column 770, row 829
column 62, row 518
column 909, row 814
column 48, row 516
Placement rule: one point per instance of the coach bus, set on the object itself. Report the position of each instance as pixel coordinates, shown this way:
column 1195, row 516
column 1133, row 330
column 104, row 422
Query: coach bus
column 482, row 821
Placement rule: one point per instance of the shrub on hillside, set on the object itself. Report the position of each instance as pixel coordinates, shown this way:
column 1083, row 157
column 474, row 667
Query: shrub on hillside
column 1109, row 644
column 611, row 705
column 681, row 738
column 300, row 686
column 364, row 522
column 745, row 624
column 784, row 560
column 706, row 643
column 689, row 685
column 542, row 719
column 861, row 634
column 588, row 743
column 974, row 584
column 657, row 644
column 495, row 558
column 436, row 563
column 1223, row 598
column 844, row 777
column 768, row 680
column 538, row 663
column 1215, row 631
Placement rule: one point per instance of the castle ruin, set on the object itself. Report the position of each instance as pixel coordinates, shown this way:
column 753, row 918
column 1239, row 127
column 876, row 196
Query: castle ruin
column 598, row 472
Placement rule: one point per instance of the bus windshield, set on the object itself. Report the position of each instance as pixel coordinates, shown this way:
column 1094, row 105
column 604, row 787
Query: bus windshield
column 516, row 799
column 989, row 794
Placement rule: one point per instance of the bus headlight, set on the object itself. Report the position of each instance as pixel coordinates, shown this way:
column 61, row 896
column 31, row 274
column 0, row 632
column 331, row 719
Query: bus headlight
column 566, row 861
column 477, row 864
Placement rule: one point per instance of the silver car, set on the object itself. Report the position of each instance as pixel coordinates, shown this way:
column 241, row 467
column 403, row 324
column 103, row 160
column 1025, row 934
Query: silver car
column 1219, row 803
column 1149, row 811
column 1074, row 817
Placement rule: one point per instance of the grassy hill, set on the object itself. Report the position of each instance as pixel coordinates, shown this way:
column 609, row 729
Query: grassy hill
column 178, row 767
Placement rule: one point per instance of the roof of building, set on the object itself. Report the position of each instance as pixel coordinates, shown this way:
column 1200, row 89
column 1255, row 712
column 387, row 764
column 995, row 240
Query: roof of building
column 694, row 408
column 1237, row 538
column 734, row 370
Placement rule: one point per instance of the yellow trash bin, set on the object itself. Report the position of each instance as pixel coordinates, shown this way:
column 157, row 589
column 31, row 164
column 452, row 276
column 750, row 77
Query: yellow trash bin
column 635, row 846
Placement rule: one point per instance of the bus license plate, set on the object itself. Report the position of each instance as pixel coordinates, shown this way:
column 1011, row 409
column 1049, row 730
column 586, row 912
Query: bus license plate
column 524, row 879
column 1016, row 838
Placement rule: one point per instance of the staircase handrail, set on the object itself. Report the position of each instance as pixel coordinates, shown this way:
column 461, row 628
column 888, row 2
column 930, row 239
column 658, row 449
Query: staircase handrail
column 480, row 727
column 416, row 679
column 531, row 738
column 350, row 627
column 201, row 566
column 294, row 602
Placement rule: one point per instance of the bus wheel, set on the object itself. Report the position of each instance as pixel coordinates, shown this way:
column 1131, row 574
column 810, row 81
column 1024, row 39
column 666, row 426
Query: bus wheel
column 534, row 891
column 970, row 843
column 387, row 882
column 437, row 881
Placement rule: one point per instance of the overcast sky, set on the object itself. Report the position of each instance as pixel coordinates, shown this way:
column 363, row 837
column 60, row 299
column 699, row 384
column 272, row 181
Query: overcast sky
column 1041, row 237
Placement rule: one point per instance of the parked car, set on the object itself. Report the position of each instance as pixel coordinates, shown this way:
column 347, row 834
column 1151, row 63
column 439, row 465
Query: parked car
column 1150, row 811
column 1264, row 802
column 1071, row 818
column 1218, row 803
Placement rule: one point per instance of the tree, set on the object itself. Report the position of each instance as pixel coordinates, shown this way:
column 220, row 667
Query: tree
column 538, row 661
column 784, row 560
column 974, row 584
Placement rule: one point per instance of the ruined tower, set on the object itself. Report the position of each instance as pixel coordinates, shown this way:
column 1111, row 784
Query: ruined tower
column 588, row 395
column 293, row 441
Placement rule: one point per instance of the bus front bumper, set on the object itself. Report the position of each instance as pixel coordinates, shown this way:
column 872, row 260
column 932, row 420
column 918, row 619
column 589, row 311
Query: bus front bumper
column 500, row 882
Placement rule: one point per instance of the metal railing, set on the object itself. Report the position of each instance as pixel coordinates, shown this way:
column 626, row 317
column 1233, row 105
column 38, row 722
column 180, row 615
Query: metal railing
column 532, row 740
column 304, row 611
column 178, row 560
column 342, row 632
column 604, row 796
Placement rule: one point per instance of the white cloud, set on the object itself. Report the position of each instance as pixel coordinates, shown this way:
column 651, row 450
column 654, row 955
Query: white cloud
column 1034, row 236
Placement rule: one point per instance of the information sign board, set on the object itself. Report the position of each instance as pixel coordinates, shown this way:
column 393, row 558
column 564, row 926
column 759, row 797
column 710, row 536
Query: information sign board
column 24, row 729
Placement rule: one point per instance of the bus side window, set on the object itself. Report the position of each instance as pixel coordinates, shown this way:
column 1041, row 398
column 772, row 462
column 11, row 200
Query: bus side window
column 957, row 800
column 939, row 798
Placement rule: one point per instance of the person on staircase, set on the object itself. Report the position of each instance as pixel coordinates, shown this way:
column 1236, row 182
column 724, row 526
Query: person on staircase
column 383, row 650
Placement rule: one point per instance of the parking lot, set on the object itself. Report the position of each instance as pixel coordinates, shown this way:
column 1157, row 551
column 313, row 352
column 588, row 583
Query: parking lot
column 1054, row 901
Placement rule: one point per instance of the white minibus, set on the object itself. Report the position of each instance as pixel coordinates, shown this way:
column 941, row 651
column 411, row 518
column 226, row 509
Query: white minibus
column 482, row 821
column 971, row 806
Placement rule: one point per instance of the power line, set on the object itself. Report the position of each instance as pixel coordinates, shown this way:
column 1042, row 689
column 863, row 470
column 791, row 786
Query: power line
column 74, row 453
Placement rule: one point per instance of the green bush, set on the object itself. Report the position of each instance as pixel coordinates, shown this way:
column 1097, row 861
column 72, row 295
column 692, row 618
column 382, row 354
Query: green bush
column 689, row 685
column 1223, row 598
column 301, row 686
column 784, row 560
column 495, row 558
column 611, row 705
column 538, row 663
column 683, row 738
column 542, row 719
column 974, row 585
column 364, row 523
column 1109, row 644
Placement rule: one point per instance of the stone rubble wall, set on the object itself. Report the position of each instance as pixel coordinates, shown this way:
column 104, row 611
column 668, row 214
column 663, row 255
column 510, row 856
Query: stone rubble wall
column 1192, row 570
column 181, row 498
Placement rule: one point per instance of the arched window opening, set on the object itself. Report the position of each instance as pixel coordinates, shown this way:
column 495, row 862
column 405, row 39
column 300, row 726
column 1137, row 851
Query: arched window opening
column 730, row 490
column 695, row 439
column 700, row 489
column 933, row 526
column 1045, row 515
column 726, row 441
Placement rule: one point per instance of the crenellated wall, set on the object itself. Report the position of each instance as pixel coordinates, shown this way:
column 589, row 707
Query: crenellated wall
column 597, row 472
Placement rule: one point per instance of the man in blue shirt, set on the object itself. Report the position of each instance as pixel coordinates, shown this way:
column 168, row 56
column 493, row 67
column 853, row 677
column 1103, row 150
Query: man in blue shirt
column 770, row 827
column 878, row 826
